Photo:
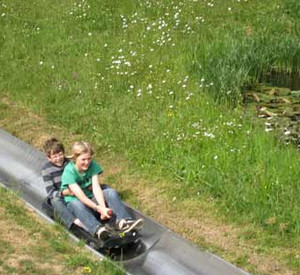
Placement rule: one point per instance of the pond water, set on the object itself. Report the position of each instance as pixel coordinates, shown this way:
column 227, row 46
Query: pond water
column 282, row 79
column 276, row 103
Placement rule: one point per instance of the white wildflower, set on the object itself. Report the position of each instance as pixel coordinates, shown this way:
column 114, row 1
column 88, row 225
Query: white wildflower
column 210, row 135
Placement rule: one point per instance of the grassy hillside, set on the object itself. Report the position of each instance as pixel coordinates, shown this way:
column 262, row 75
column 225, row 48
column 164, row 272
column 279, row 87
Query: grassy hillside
column 29, row 246
column 161, row 83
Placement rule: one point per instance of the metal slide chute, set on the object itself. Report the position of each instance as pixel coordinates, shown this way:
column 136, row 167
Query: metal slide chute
column 162, row 252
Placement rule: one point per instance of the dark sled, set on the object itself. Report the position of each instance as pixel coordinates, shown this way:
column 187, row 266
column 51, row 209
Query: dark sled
column 119, row 246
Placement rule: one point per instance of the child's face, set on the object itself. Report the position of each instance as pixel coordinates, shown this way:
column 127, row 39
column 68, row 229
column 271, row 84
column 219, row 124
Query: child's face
column 57, row 158
column 83, row 162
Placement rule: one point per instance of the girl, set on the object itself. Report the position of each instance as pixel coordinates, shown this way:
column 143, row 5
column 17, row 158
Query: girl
column 81, row 177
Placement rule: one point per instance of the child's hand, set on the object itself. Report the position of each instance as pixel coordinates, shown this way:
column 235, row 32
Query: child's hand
column 68, row 192
column 105, row 213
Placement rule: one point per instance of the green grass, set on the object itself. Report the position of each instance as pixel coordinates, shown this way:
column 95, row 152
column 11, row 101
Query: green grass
column 161, row 83
column 53, row 245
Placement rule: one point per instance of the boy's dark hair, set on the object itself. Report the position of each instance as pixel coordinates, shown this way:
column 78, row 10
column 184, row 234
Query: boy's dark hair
column 53, row 146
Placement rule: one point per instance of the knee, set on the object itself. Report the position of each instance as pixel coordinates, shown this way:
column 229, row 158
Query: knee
column 111, row 193
column 56, row 202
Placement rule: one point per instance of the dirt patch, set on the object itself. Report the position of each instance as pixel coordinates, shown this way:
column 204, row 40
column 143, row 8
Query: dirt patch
column 196, row 220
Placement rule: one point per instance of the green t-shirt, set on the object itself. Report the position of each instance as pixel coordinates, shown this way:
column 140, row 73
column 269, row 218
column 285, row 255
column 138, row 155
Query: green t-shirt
column 84, row 180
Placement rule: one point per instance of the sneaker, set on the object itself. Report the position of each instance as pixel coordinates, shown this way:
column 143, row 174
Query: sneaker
column 121, row 225
column 102, row 233
column 133, row 225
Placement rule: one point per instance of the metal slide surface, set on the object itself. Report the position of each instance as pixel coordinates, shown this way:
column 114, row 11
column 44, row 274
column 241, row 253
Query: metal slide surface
column 165, row 252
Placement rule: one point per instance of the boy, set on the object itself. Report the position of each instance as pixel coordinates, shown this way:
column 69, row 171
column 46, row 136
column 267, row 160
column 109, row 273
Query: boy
column 51, row 172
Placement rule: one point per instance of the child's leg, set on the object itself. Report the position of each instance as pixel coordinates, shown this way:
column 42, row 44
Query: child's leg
column 123, row 220
column 85, row 215
column 80, row 224
column 62, row 213
column 114, row 202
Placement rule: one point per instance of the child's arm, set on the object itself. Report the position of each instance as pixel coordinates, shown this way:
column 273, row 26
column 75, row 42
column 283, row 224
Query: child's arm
column 77, row 191
column 67, row 192
column 49, row 184
column 98, row 194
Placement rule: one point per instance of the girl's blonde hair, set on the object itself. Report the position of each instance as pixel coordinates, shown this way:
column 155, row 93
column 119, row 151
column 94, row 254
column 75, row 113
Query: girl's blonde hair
column 79, row 148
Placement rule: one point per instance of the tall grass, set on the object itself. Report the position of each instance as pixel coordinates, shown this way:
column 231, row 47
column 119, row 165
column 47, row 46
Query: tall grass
column 234, row 64
column 161, row 82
